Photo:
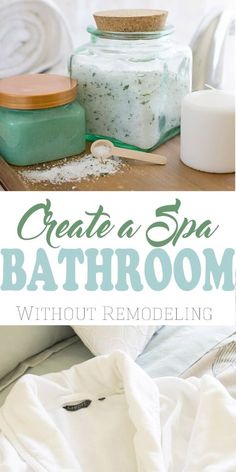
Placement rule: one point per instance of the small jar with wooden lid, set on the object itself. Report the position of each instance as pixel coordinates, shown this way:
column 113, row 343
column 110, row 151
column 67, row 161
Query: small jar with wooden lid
column 40, row 119
column 133, row 78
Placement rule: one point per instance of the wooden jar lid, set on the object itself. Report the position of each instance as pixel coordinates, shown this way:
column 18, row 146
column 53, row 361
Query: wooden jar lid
column 131, row 21
column 37, row 91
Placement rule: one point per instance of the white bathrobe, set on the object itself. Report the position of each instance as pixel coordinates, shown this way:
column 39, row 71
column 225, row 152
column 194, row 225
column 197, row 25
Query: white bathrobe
column 133, row 424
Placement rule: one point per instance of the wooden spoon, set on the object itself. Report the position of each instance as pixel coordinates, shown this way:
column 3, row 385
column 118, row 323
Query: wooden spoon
column 104, row 149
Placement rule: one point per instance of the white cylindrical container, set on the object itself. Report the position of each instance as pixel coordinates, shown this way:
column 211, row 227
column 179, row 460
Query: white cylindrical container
column 208, row 131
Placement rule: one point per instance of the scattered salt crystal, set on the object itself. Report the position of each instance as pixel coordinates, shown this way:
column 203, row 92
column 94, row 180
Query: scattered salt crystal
column 76, row 170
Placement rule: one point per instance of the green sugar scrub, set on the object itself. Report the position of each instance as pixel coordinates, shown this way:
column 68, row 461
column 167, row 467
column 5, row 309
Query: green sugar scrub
column 40, row 119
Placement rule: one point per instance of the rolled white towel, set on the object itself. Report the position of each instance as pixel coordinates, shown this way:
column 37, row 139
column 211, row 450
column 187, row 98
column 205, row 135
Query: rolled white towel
column 34, row 37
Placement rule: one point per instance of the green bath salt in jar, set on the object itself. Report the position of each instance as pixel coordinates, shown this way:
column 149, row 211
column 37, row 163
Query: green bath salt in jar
column 40, row 119
column 133, row 77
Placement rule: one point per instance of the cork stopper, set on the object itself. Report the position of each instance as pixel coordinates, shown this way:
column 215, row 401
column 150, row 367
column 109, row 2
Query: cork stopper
column 131, row 21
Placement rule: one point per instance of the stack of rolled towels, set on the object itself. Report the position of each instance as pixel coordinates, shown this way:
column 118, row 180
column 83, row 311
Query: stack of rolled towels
column 34, row 37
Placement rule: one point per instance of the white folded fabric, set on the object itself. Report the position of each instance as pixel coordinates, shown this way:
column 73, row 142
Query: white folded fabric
column 106, row 339
column 107, row 415
column 34, row 36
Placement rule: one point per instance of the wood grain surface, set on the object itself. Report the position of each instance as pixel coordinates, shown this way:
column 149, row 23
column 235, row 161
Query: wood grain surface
column 132, row 176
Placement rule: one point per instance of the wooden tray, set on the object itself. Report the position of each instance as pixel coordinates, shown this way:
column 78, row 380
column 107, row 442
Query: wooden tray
column 133, row 176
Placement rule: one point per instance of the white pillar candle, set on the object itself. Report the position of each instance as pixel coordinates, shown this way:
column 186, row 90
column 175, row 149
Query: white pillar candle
column 208, row 131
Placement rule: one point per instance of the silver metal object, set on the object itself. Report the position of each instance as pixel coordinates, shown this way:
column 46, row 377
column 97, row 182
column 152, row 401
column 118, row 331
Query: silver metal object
column 208, row 47
column 225, row 358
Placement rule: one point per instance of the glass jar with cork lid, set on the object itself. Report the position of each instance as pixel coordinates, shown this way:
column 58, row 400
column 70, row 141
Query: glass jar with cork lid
column 40, row 119
column 132, row 78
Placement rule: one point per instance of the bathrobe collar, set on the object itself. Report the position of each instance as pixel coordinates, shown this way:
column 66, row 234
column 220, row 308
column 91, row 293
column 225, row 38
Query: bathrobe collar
column 25, row 417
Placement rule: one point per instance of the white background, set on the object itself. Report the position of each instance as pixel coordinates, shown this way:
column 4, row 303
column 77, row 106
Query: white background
column 219, row 207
